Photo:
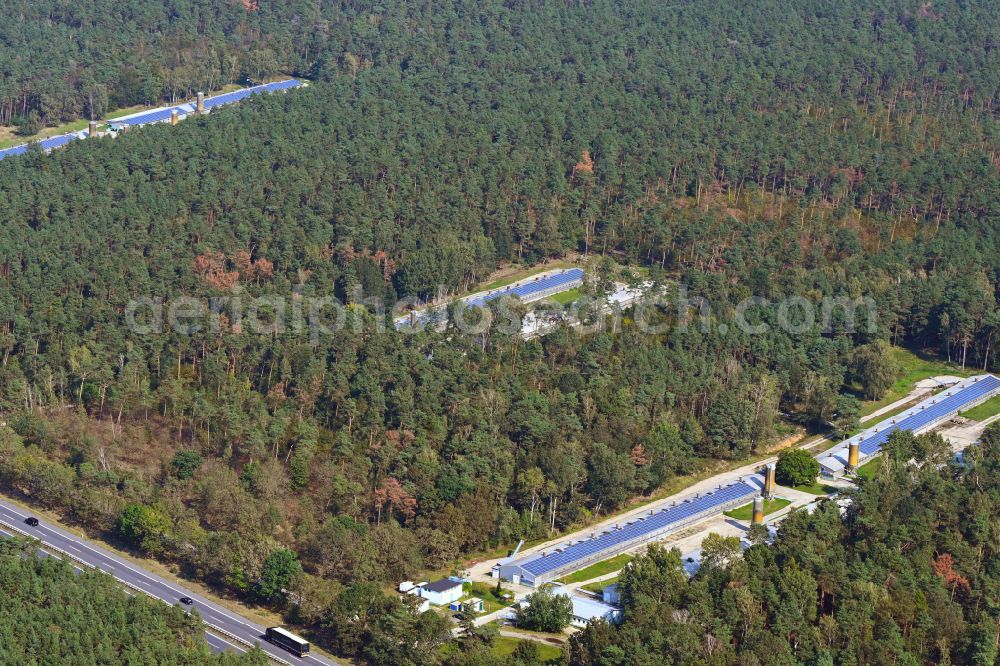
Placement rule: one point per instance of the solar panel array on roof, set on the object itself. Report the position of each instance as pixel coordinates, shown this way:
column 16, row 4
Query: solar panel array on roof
column 163, row 114
column 156, row 115
column 925, row 414
column 243, row 93
column 15, row 150
column 148, row 117
column 930, row 411
column 61, row 140
column 44, row 144
column 661, row 520
column 526, row 291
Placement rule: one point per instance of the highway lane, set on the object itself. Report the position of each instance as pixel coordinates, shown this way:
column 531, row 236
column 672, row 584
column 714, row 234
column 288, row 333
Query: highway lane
column 215, row 642
column 132, row 576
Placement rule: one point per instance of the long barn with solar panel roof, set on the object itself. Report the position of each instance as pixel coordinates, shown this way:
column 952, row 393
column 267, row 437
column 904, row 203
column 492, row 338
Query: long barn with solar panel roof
column 528, row 290
column 160, row 115
column 549, row 564
column 925, row 416
column 45, row 144
column 164, row 114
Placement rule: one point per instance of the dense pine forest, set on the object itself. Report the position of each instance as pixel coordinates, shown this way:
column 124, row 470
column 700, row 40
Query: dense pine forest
column 52, row 614
column 779, row 149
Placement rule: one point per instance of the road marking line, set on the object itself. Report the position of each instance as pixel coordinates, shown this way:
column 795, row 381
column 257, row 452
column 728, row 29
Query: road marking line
column 117, row 560
column 53, row 532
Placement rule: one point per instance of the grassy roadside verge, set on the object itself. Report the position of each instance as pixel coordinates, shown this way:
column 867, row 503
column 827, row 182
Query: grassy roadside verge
column 745, row 512
column 816, row 488
column 983, row 411
column 505, row 646
column 869, row 469
column 566, row 297
column 598, row 587
column 601, row 568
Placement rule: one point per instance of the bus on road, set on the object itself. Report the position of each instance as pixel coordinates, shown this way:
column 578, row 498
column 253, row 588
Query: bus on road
column 287, row 640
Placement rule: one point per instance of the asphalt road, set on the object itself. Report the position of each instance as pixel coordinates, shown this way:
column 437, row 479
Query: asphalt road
column 132, row 576
column 215, row 643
